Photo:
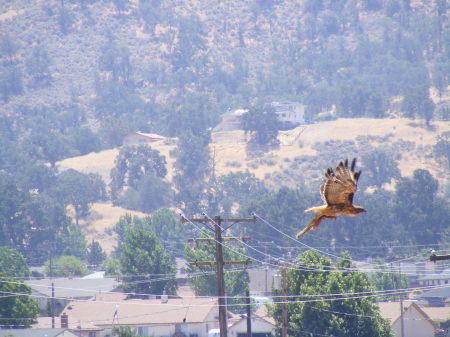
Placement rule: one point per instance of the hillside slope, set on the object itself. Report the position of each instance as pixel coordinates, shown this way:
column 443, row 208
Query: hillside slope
column 232, row 156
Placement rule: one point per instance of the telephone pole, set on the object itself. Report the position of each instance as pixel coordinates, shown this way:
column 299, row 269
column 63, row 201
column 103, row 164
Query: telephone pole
column 217, row 229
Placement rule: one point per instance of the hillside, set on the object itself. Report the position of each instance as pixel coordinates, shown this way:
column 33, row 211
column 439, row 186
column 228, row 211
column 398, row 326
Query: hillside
column 231, row 156
column 278, row 166
column 77, row 76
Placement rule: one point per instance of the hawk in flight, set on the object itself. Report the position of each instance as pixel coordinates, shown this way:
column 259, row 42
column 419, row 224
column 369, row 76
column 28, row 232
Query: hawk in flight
column 337, row 192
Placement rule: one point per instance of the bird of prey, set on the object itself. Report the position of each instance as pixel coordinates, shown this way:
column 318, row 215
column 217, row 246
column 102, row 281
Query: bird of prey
column 337, row 192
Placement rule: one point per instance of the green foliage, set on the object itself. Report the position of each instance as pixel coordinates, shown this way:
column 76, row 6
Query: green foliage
column 168, row 229
column 72, row 242
column 18, row 311
column 65, row 18
column 417, row 103
column 262, row 122
column 164, row 223
column 13, row 264
column 116, row 59
column 111, row 267
column 66, row 266
column 144, row 264
column 232, row 191
column 386, row 278
column 11, row 82
column 330, row 317
column 150, row 194
column 380, row 167
column 124, row 331
column 95, row 254
column 8, row 48
column 418, row 206
column 203, row 278
column 38, row 64
column 79, row 190
column 442, row 147
column 28, row 222
column 133, row 163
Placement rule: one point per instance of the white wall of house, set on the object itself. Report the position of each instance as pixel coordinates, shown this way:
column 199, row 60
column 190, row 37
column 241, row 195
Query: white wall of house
column 259, row 325
column 415, row 325
column 168, row 330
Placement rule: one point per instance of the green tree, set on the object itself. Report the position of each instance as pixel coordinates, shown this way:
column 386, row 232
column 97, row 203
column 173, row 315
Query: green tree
column 116, row 59
column 79, row 190
column 13, row 264
column 330, row 318
column 380, row 166
column 111, row 267
column 65, row 18
column 417, row 103
column 168, row 229
column 71, row 242
column 8, row 48
column 203, row 278
column 95, row 254
column 121, row 5
column 16, row 311
column 51, row 146
column 10, row 81
column 124, row 331
column 150, row 194
column 418, row 207
column 442, row 147
column 386, row 278
column 144, row 264
column 132, row 164
column 262, row 122
column 38, row 65
column 66, row 266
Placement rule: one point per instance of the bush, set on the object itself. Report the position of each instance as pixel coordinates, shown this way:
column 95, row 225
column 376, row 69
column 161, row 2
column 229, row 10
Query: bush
column 66, row 266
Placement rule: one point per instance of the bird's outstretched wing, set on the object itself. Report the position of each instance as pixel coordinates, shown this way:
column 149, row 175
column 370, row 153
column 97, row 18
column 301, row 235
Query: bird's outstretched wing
column 340, row 184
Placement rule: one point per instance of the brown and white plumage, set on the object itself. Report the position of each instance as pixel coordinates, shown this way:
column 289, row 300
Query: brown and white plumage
column 337, row 193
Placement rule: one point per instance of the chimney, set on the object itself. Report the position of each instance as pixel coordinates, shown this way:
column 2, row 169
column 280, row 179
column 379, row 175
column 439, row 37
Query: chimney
column 64, row 320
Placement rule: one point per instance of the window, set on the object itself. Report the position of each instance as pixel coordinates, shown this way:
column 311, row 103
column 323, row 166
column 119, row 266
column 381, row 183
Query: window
column 193, row 335
column 142, row 331
column 92, row 334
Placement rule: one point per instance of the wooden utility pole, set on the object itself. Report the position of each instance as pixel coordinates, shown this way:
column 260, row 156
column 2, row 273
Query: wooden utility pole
column 249, row 314
column 283, row 305
column 217, row 228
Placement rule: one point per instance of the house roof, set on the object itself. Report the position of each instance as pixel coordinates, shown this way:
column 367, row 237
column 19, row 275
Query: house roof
column 437, row 314
column 443, row 292
column 35, row 332
column 100, row 312
column 264, row 314
column 72, row 288
column 391, row 311
column 444, row 275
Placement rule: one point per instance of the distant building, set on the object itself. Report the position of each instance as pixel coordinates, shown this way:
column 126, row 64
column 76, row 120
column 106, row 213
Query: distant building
column 138, row 137
column 290, row 114
column 436, row 297
column 174, row 317
column 261, row 281
column 37, row 333
column 416, row 322
column 432, row 279
column 261, row 327
column 67, row 289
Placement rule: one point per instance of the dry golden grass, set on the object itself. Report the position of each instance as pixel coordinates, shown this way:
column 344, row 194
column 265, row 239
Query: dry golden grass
column 100, row 223
column 294, row 143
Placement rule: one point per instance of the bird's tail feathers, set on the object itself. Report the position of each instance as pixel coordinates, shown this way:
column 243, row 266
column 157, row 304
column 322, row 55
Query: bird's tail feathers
column 311, row 226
